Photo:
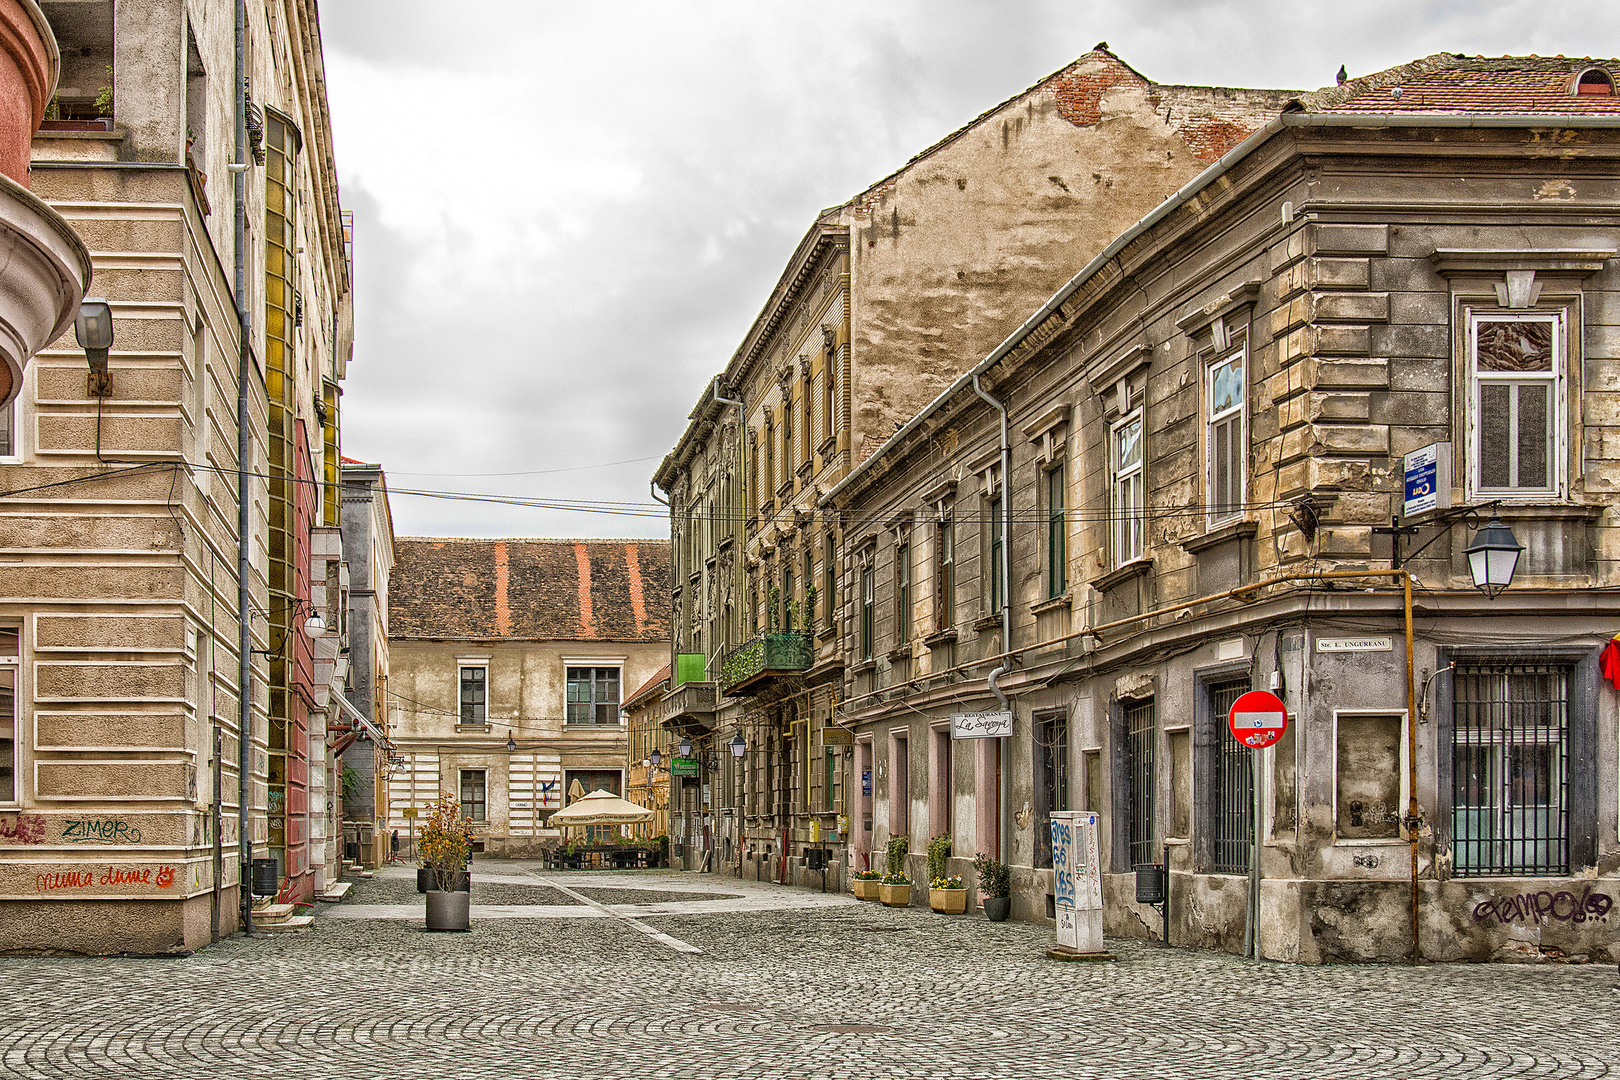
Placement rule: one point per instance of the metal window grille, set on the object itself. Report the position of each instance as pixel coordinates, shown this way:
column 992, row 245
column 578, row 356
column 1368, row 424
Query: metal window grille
column 472, row 695
column 1139, row 752
column 1054, row 750
column 1510, row 770
column 1234, row 785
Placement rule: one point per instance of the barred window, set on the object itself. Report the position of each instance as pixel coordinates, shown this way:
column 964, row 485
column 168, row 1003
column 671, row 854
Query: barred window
column 1233, row 788
column 1510, row 768
column 1140, row 780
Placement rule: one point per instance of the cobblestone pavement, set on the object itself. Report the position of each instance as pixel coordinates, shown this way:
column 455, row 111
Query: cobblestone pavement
column 831, row 990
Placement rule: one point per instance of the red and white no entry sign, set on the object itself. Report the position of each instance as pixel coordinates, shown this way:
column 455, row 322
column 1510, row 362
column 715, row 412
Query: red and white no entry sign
column 1258, row 719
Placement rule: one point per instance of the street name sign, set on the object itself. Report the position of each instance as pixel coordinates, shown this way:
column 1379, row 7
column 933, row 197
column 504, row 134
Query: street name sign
column 1258, row 719
column 981, row 725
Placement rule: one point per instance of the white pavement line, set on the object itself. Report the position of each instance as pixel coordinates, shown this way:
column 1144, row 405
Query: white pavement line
column 657, row 935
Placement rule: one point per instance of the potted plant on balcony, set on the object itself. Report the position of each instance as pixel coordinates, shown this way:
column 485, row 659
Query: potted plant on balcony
column 865, row 884
column 995, row 883
column 895, row 888
column 946, row 894
column 446, row 846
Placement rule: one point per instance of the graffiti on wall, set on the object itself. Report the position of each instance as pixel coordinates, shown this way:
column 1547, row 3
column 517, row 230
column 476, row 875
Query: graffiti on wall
column 100, row 830
column 58, row 880
column 1562, row 906
column 22, row 829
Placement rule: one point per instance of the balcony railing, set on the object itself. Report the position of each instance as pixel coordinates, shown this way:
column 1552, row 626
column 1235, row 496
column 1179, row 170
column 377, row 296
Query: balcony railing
column 691, row 703
column 768, row 656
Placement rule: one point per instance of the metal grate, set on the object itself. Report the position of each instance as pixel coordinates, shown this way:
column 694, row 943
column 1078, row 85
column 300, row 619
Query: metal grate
column 1234, row 785
column 1139, row 747
column 1510, row 769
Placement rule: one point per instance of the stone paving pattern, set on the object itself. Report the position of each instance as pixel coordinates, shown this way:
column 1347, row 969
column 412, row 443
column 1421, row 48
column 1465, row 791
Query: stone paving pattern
column 849, row 990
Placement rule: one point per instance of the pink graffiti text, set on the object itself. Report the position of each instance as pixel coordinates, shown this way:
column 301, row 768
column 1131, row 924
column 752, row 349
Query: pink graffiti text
column 1562, row 906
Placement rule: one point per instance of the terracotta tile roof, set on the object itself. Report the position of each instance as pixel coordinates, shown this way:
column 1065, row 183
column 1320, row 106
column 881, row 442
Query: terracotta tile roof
column 1450, row 83
column 529, row 590
column 657, row 682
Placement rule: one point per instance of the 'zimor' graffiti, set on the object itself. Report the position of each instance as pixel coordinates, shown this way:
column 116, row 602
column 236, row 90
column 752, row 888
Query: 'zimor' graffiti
column 1562, row 906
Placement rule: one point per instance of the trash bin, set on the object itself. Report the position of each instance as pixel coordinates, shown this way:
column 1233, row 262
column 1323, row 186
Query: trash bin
column 265, row 877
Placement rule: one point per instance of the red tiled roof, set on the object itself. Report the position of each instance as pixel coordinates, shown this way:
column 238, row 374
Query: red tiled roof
column 655, row 683
column 529, row 590
column 1449, row 83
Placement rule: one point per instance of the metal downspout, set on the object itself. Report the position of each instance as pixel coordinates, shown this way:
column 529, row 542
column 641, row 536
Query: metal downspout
column 244, row 448
column 1006, row 612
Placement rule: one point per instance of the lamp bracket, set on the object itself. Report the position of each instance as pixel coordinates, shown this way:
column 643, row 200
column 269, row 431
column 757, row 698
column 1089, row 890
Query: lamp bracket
column 1399, row 527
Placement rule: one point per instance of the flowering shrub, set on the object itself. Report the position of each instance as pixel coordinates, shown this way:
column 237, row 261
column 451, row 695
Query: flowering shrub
column 867, row 875
column 948, row 881
column 896, row 879
column 446, row 842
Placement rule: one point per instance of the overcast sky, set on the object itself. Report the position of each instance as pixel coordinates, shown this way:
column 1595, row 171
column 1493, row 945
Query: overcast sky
column 568, row 214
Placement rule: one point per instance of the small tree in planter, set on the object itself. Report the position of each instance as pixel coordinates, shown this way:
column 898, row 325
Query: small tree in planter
column 945, row 892
column 995, row 883
column 895, row 889
column 446, row 846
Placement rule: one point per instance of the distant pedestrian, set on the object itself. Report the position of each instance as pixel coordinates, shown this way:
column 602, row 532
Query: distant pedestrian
column 393, row 846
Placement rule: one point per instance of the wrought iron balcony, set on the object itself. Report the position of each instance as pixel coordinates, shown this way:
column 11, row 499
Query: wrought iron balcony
column 765, row 658
column 690, row 704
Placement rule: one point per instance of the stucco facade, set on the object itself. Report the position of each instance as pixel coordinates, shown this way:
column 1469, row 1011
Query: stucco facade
column 368, row 544
column 509, row 661
column 122, row 596
column 1205, row 426
column 886, row 299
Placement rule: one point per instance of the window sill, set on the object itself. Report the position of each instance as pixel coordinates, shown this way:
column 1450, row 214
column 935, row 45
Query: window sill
column 901, row 652
column 1052, row 603
column 1130, row 571
column 472, row 729
column 941, row 637
column 863, row 667
column 1220, row 534
column 985, row 622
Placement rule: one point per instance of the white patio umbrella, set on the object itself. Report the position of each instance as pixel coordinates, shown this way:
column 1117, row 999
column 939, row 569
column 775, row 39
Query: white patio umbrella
column 601, row 808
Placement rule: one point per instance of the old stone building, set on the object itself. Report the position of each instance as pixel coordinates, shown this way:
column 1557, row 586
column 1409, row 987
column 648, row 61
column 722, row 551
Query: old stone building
column 136, row 803
column 508, row 662
column 1187, row 476
column 368, row 545
column 885, row 300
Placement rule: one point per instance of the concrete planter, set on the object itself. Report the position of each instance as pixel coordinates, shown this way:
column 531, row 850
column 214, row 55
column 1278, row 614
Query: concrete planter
column 948, row 901
column 449, row 910
column 997, row 908
column 865, row 889
column 894, row 895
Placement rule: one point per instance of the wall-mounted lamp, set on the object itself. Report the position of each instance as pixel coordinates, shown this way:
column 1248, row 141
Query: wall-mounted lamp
column 1493, row 556
column 511, row 745
column 315, row 626
column 94, row 330
column 738, row 746
column 686, row 746
column 655, row 757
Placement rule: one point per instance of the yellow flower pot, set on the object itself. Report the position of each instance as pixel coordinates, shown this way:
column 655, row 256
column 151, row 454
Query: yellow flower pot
column 895, row 895
column 948, row 901
column 865, row 889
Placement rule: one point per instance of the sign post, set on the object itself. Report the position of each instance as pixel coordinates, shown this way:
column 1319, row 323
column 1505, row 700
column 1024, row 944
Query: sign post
column 1257, row 720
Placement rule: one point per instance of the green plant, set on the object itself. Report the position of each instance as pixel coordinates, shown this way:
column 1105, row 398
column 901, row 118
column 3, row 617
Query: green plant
column 771, row 608
column 995, row 878
column 939, row 856
column 895, row 855
column 946, row 881
column 446, row 842
column 104, row 96
column 350, row 780
column 809, row 608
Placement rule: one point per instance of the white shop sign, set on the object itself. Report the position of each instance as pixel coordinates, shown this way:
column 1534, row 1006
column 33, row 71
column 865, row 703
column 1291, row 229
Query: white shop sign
column 1355, row 644
column 981, row 725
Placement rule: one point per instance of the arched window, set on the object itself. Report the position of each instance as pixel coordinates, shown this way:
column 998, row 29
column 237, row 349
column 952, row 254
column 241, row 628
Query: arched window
column 1594, row 81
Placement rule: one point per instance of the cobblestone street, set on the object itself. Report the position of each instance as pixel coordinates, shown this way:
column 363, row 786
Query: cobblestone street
column 784, row 983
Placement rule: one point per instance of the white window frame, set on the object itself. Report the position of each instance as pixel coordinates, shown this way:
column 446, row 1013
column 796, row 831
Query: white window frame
column 1236, row 417
column 594, row 663
column 1556, row 380
column 1128, row 514
column 462, row 667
